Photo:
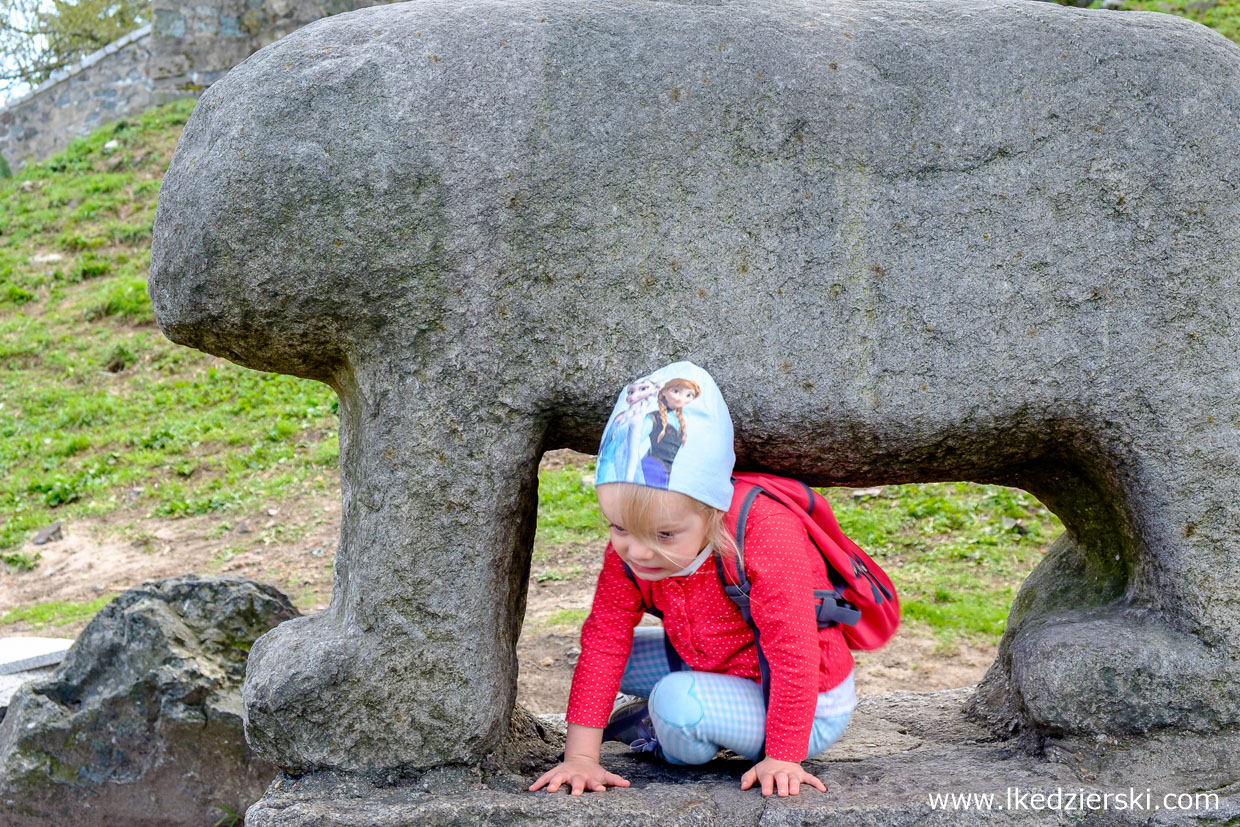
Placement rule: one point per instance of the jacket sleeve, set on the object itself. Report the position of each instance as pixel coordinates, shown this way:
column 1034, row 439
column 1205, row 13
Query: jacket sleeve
column 606, row 641
column 778, row 562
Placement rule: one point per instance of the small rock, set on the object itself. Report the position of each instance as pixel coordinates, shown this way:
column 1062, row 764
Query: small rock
column 317, row 552
column 1015, row 525
column 587, row 480
column 243, row 528
column 111, row 146
column 48, row 258
column 271, row 512
column 50, row 534
column 546, row 662
column 165, row 534
column 1113, row 5
column 867, row 493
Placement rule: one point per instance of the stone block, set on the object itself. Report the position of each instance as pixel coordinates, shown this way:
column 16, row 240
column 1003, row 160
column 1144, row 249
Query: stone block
column 913, row 240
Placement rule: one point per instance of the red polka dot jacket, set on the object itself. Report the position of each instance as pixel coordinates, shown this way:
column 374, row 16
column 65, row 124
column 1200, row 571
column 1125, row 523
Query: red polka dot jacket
column 708, row 631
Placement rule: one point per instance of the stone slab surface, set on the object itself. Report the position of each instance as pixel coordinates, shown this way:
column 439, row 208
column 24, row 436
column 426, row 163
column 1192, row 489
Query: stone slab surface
column 17, row 654
column 900, row 749
column 9, row 684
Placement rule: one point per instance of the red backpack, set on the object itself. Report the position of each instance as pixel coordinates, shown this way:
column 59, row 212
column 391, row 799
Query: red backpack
column 862, row 601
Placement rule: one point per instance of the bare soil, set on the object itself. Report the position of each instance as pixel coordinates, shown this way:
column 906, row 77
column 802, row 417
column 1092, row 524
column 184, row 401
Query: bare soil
column 291, row 545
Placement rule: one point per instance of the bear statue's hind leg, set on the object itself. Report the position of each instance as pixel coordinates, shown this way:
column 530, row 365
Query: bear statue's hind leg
column 1107, row 630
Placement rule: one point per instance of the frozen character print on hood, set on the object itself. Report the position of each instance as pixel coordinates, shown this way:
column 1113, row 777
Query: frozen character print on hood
column 665, row 430
column 670, row 430
column 621, row 447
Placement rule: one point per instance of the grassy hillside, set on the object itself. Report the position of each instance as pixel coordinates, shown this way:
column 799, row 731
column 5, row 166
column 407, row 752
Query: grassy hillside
column 1221, row 15
column 99, row 413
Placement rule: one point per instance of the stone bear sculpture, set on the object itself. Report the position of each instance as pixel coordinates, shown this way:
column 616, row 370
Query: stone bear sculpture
column 913, row 240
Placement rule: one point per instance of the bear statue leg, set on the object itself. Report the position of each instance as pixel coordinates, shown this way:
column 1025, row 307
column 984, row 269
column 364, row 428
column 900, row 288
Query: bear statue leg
column 1126, row 625
column 413, row 664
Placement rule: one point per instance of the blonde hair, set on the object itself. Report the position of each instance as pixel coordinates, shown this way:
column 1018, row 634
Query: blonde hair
column 642, row 509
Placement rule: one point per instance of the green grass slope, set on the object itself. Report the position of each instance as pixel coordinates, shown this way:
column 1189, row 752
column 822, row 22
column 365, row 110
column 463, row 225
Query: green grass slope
column 98, row 411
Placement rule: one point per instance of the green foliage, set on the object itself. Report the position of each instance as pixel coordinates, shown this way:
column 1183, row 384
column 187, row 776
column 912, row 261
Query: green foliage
column 1221, row 15
column 124, row 297
column 557, row 575
column 39, row 37
column 54, row 613
column 567, row 509
column 230, row 817
column 566, row 618
column 98, row 411
column 957, row 552
column 20, row 560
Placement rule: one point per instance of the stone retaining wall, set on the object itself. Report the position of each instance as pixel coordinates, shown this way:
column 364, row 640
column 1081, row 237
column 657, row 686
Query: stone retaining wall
column 109, row 84
column 187, row 48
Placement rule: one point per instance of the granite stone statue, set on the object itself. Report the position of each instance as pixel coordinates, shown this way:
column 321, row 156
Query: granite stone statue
column 913, row 240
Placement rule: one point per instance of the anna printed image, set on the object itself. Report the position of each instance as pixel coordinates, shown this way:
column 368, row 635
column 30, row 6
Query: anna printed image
column 667, row 434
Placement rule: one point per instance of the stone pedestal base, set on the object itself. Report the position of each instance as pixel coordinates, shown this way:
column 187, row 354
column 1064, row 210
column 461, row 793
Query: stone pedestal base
column 901, row 748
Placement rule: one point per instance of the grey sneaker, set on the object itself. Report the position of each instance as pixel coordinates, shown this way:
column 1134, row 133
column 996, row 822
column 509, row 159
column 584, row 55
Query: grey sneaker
column 630, row 724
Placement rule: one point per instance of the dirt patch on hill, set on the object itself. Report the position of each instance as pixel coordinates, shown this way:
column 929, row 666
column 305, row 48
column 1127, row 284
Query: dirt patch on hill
column 291, row 545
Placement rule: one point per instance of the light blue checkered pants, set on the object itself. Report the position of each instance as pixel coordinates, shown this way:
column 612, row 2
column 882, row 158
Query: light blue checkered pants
column 696, row 713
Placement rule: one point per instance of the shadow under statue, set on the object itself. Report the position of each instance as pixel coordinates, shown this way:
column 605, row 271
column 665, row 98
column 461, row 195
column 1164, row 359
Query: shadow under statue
column 913, row 240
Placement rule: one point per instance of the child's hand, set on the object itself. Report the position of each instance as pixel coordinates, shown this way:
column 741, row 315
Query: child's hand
column 786, row 776
column 580, row 774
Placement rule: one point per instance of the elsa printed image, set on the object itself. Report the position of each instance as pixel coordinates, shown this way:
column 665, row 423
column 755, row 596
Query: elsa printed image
column 622, row 448
column 664, row 432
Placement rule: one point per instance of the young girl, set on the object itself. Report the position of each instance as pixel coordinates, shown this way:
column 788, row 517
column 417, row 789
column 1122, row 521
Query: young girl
column 700, row 671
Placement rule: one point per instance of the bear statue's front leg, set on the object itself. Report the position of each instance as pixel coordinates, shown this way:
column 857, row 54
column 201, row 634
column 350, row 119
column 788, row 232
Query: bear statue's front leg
column 413, row 664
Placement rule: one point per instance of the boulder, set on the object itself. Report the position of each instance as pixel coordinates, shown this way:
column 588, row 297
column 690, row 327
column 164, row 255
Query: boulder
column 913, row 240
column 141, row 723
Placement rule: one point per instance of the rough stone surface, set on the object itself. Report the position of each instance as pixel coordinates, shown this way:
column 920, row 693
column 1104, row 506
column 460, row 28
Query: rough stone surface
column 141, row 724
column 900, row 749
column 913, row 240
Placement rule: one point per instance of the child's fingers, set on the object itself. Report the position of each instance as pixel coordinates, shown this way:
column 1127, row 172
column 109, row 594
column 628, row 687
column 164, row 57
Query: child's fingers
column 794, row 786
column 748, row 778
column 781, row 783
column 614, row 780
column 814, row 781
column 579, row 784
column 768, row 785
column 542, row 781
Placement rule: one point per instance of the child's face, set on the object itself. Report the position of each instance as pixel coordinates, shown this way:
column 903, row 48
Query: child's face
column 681, row 532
